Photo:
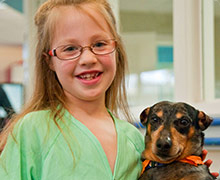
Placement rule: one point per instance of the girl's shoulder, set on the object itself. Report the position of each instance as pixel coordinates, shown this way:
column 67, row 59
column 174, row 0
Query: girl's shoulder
column 33, row 136
column 38, row 123
column 36, row 130
column 35, row 119
column 125, row 125
column 41, row 115
column 131, row 132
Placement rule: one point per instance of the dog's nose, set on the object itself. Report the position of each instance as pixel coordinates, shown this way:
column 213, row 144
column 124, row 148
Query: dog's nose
column 164, row 143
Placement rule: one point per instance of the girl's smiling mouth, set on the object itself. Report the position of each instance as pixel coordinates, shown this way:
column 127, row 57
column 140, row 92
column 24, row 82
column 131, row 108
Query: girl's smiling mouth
column 88, row 76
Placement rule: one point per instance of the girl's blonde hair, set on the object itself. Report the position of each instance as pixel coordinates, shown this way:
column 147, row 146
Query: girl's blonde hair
column 48, row 93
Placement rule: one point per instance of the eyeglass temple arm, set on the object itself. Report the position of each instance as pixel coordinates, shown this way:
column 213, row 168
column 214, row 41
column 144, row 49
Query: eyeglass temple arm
column 52, row 52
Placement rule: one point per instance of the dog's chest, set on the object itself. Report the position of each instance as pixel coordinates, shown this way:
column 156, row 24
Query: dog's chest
column 177, row 171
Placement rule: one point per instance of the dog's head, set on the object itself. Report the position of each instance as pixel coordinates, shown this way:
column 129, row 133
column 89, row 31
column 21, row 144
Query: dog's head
column 173, row 131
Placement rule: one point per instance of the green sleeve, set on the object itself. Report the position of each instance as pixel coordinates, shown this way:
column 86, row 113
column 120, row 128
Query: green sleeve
column 21, row 157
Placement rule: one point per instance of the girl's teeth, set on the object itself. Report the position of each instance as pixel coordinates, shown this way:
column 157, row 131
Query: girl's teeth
column 89, row 76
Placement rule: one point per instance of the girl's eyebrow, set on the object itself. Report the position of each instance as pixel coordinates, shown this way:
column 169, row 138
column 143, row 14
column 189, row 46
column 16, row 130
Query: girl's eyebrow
column 102, row 35
column 68, row 41
column 92, row 39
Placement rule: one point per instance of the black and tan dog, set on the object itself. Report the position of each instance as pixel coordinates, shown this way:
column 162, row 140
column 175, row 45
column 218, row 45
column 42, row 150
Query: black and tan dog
column 173, row 142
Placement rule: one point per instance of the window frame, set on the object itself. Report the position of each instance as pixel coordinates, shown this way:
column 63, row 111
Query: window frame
column 193, row 25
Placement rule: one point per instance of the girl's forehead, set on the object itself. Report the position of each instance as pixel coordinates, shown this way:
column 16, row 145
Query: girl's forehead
column 80, row 21
column 79, row 12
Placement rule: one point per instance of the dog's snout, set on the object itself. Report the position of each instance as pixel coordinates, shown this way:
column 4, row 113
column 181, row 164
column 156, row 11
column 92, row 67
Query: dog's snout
column 164, row 143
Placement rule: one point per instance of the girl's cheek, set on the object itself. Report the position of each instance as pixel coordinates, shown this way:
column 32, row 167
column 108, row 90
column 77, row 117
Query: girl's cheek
column 109, row 60
column 66, row 65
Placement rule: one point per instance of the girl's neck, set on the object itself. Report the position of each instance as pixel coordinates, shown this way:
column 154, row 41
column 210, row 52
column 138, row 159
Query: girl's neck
column 94, row 108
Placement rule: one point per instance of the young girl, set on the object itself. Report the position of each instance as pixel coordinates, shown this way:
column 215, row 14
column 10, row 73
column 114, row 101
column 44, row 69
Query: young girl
column 68, row 130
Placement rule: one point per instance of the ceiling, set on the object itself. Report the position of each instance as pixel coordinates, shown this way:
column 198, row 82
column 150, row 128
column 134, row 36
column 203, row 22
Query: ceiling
column 12, row 26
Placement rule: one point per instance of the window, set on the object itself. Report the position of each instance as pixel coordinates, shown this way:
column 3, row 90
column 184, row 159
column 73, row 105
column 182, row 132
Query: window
column 146, row 28
column 217, row 47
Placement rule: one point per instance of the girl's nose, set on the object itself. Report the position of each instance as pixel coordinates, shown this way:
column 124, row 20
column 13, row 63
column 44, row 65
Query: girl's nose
column 87, row 57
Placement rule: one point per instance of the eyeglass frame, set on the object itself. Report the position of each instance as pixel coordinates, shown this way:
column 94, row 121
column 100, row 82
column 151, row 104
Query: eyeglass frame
column 53, row 51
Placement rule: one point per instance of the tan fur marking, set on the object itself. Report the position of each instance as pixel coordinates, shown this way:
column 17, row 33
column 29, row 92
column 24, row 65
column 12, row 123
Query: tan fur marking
column 188, row 144
column 149, row 129
column 201, row 115
column 191, row 132
column 179, row 115
column 160, row 114
column 179, row 142
column 147, row 111
column 155, row 136
column 150, row 150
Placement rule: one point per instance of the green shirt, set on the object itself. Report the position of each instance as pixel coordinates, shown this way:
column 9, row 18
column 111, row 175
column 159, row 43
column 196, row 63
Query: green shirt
column 42, row 152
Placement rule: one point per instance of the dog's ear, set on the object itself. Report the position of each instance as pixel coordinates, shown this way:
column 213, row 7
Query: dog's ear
column 143, row 115
column 204, row 120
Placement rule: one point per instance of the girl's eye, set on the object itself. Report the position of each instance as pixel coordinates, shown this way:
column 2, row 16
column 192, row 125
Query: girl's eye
column 100, row 44
column 70, row 48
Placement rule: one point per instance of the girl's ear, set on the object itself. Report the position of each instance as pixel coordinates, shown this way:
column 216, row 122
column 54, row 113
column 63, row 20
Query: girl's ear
column 144, row 115
column 48, row 61
column 204, row 120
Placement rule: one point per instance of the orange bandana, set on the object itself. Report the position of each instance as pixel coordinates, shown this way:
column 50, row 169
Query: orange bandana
column 145, row 164
column 194, row 160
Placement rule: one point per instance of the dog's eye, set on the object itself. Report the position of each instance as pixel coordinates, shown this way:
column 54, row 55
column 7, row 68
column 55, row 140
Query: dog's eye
column 184, row 122
column 155, row 119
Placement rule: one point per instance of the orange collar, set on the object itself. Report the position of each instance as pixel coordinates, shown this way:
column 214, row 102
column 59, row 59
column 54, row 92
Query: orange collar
column 194, row 160
column 144, row 165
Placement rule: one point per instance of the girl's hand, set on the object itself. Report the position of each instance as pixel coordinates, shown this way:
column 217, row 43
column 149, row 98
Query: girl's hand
column 208, row 162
